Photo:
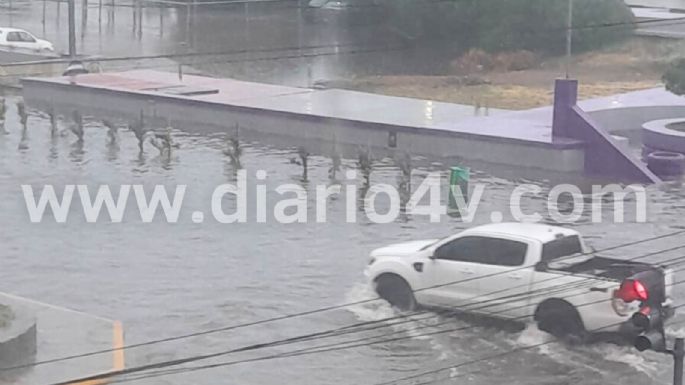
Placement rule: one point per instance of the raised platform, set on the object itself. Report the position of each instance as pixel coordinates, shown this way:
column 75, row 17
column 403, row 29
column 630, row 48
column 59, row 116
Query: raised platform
column 349, row 117
column 17, row 336
column 58, row 333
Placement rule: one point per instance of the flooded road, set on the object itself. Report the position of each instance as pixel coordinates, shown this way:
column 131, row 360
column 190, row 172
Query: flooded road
column 165, row 279
column 295, row 45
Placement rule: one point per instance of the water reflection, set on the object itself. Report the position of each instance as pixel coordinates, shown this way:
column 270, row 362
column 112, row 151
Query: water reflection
column 171, row 278
column 160, row 28
column 24, row 141
column 3, row 111
column 77, row 152
column 140, row 163
column 53, row 153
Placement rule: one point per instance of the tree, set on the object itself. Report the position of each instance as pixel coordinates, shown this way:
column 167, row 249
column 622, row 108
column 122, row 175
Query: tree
column 507, row 25
column 674, row 77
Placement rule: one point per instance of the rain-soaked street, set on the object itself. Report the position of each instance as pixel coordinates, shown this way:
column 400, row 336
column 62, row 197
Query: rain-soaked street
column 164, row 279
column 283, row 29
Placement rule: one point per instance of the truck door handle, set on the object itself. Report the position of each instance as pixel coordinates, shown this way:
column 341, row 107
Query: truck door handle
column 467, row 271
column 602, row 289
column 515, row 276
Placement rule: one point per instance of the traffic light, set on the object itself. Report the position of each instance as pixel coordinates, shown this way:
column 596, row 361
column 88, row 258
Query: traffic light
column 649, row 320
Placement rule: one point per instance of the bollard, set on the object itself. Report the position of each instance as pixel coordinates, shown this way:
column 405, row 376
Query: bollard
column 678, row 353
column 459, row 184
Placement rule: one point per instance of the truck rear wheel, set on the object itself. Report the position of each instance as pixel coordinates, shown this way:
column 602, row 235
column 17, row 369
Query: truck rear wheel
column 396, row 291
column 560, row 319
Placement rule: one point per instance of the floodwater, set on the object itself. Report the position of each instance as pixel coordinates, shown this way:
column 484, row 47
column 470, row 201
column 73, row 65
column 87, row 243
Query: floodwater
column 311, row 45
column 165, row 279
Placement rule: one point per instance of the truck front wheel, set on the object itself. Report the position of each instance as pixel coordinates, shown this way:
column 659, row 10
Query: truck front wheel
column 560, row 319
column 396, row 291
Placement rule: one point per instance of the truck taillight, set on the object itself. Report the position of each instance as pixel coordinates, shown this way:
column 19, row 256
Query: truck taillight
column 632, row 290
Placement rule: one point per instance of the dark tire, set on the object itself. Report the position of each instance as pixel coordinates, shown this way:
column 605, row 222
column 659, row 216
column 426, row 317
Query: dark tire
column 396, row 291
column 560, row 319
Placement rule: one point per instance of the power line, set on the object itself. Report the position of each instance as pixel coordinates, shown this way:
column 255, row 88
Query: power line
column 435, row 371
column 313, row 311
column 676, row 21
column 336, row 53
column 251, row 347
column 319, row 349
column 322, row 349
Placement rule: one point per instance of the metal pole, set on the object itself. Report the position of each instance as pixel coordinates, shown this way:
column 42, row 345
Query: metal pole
column 569, row 37
column 161, row 21
column 135, row 18
column 678, row 354
column 84, row 18
column 299, row 27
column 72, row 28
column 139, row 4
column 188, row 24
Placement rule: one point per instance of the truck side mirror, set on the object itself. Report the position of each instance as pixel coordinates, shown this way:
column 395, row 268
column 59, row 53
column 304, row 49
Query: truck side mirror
column 541, row 266
column 437, row 252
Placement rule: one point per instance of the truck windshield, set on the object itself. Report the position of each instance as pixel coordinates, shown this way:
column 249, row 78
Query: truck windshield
column 561, row 247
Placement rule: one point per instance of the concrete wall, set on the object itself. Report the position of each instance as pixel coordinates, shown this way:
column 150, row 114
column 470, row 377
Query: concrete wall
column 674, row 4
column 203, row 117
column 604, row 155
column 623, row 121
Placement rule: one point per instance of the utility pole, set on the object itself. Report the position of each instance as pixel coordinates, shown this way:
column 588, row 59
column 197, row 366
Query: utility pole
column 678, row 354
column 569, row 37
column 72, row 29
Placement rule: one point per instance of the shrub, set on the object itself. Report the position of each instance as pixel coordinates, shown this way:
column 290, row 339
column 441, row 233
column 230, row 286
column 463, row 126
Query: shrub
column 515, row 61
column 674, row 77
column 474, row 60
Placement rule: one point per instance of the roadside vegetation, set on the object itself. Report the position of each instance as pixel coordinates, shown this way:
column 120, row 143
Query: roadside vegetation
column 509, row 25
column 503, row 54
column 674, row 77
column 635, row 64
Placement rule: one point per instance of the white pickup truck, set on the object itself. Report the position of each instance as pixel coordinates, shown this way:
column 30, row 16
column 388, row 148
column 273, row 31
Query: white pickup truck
column 521, row 272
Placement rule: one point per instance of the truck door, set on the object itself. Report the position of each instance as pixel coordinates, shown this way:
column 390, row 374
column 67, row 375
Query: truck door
column 504, row 288
column 452, row 272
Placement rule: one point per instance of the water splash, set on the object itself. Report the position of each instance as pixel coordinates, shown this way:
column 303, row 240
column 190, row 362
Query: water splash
column 627, row 356
column 532, row 336
column 368, row 311
column 417, row 327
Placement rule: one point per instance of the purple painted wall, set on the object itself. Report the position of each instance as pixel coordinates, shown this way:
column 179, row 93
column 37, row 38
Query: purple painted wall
column 603, row 156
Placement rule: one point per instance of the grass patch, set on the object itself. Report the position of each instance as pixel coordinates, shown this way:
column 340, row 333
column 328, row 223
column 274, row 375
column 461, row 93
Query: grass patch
column 636, row 64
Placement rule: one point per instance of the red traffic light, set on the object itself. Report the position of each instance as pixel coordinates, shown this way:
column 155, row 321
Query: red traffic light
column 632, row 290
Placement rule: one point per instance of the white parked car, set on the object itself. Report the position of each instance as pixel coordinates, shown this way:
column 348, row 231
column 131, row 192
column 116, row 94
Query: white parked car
column 14, row 38
column 521, row 272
